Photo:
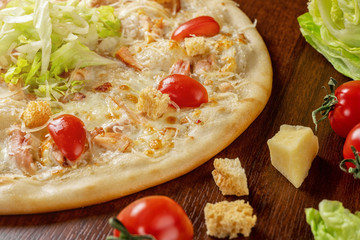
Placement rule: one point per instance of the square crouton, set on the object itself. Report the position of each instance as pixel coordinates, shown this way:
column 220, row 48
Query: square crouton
column 230, row 177
column 196, row 46
column 152, row 102
column 228, row 219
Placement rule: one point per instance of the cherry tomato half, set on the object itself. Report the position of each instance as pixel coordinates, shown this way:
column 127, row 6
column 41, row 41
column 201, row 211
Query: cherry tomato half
column 201, row 26
column 69, row 135
column 183, row 90
column 346, row 114
column 158, row 216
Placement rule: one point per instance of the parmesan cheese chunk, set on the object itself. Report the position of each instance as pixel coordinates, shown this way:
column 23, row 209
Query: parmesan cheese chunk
column 36, row 114
column 228, row 219
column 230, row 177
column 152, row 102
column 196, row 46
column 292, row 151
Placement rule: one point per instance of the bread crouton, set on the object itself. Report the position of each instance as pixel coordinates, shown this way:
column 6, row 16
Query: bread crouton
column 152, row 102
column 36, row 114
column 196, row 46
column 228, row 219
column 230, row 177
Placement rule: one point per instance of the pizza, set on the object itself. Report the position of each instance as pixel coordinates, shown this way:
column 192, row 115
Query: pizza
column 106, row 98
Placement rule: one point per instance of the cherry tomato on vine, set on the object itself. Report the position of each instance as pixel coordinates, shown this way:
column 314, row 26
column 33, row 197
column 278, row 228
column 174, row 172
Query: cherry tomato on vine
column 69, row 135
column 183, row 90
column 201, row 26
column 341, row 107
column 157, row 216
column 352, row 139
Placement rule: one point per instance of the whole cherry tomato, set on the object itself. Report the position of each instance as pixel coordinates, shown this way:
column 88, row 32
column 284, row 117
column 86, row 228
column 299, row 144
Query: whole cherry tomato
column 183, row 90
column 69, row 135
column 352, row 139
column 158, row 216
column 201, row 26
column 342, row 107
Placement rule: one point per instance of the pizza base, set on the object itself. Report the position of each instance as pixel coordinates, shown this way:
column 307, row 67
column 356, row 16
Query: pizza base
column 96, row 184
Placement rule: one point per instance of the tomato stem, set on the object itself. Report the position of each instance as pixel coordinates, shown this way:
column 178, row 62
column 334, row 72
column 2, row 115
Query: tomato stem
column 355, row 171
column 124, row 233
column 329, row 101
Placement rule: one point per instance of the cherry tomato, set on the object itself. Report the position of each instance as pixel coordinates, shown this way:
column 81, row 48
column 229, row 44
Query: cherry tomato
column 158, row 216
column 346, row 114
column 343, row 114
column 352, row 139
column 201, row 26
column 183, row 90
column 69, row 135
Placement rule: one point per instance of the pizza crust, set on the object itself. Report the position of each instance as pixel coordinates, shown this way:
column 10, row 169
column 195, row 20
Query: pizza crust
column 131, row 173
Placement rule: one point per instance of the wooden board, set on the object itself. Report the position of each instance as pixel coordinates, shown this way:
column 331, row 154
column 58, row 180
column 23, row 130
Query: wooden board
column 299, row 76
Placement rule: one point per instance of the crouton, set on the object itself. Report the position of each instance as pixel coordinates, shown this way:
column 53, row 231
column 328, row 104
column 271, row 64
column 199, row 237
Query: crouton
column 230, row 177
column 228, row 219
column 196, row 46
column 36, row 114
column 152, row 102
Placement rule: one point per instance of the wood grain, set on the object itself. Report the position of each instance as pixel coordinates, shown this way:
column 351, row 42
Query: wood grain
column 299, row 76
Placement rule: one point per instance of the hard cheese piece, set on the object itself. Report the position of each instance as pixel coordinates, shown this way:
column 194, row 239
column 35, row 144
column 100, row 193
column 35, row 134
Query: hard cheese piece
column 292, row 151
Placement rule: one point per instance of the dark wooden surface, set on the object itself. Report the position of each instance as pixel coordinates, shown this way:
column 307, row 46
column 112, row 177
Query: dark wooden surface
column 299, row 74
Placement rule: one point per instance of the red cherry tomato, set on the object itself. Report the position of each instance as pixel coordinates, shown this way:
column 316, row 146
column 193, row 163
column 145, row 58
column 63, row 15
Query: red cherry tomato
column 69, row 135
column 201, row 26
column 352, row 139
column 344, row 114
column 183, row 90
column 158, row 216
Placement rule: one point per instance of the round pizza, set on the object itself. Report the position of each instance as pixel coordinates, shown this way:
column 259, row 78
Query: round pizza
column 106, row 98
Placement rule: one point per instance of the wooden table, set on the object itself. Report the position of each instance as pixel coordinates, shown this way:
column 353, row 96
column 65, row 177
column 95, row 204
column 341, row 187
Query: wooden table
column 299, row 74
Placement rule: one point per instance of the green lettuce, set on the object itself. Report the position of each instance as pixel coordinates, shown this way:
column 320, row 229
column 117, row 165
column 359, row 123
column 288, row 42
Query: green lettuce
column 333, row 222
column 332, row 27
column 42, row 39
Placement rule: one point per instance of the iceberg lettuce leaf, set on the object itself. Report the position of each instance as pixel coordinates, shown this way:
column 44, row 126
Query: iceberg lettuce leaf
column 333, row 222
column 51, row 37
column 332, row 27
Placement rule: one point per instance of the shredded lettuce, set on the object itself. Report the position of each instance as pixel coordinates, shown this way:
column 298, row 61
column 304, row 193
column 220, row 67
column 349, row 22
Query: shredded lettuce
column 41, row 39
column 333, row 222
column 332, row 27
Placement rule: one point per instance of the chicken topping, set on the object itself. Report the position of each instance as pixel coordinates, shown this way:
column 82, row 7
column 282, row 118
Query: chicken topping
column 19, row 148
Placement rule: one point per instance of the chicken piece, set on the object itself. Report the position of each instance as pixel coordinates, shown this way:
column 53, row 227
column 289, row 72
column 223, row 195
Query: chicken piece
column 173, row 5
column 153, row 103
column 226, row 87
column 98, row 3
column 180, row 67
column 113, row 141
column 106, row 87
column 36, row 114
column 18, row 92
column 19, row 148
column 3, row 3
column 124, row 55
column 204, row 65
